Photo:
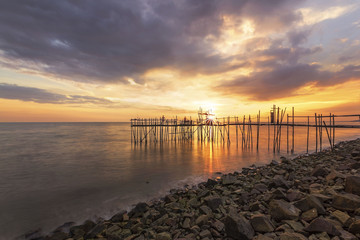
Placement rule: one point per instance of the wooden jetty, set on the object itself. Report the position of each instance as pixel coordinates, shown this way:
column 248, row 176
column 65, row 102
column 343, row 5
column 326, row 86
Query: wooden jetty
column 209, row 128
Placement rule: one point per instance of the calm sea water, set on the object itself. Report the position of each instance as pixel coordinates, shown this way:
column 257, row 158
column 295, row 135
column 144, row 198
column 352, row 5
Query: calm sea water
column 51, row 173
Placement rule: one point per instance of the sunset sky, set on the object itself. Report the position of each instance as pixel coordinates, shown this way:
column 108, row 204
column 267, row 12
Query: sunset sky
column 113, row 60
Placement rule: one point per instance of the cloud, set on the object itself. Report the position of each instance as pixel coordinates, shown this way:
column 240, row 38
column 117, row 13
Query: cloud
column 13, row 91
column 283, row 80
column 110, row 41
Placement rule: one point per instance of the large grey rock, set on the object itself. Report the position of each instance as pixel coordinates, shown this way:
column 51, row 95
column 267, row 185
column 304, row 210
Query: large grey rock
column 310, row 202
column 238, row 227
column 261, row 223
column 346, row 201
column 281, row 210
column 320, row 224
column 352, row 184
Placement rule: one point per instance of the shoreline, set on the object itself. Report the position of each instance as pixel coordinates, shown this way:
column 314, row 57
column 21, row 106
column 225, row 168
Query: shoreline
column 307, row 197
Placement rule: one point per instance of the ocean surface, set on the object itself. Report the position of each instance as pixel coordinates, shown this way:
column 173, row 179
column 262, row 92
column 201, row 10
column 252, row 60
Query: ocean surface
column 52, row 173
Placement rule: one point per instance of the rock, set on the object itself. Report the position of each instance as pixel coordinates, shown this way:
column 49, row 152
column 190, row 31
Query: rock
column 205, row 233
column 87, row 226
column 262, row 237
column 281, row 210
column 118, row 217
column 59, row 236
column 355, row 153
column 210, row 183
column 352, row 184
column 202, row 219
column 346, row 201
column 310, row 202
column 99, row 228
column 345, row 235
column 321, row 225
column 279, row 181
column 261, row 223
column 206, row 210
column 255, row 206
column 219, row 226
column 333, row 175
column 139, row 209
column 292, row 236
column 309, row 215
column 228, row 179
column 186, row 223
column 297, row 226
column 261, row 187
column 322, row 236
column 238, row 227
column 163, row 236
column 294, row 195
column 278, row 194
column 213, row 202
column 319, row 171
column 355, row 227
column 342, row 217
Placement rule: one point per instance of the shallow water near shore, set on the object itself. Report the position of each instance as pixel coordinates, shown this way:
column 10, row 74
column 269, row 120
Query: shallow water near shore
column 51, row 173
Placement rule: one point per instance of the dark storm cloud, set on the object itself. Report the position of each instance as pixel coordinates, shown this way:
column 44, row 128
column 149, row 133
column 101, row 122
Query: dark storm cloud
column 13, row 91
column 108, row 40
column 283, row 80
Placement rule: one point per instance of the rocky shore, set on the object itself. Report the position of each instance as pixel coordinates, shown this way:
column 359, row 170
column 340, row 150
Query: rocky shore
column 314, row 196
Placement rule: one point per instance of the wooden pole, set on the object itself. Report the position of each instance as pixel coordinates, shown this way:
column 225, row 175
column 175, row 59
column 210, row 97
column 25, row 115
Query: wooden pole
column 287, row 133
column 307, row 137
column 333, row 135
column 258, row 134
column 316, row 130
column 293, row 130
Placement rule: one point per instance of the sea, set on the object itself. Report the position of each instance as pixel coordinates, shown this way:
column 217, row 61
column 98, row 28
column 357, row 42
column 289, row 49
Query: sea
column 52, row 173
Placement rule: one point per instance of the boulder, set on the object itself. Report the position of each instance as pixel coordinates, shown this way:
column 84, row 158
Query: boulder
column 310, row 202
column 228, row 179
column 99, row 228
column 279, row 181
column 355, row 227
column 281, row 210
column 319, row 225
column 261, row 223
column 118, row 217
column 139, row 209
column 352, row 184
column 319, row 172
column 309, row 215
column 213, row 202
column 238, row 227
column 342, row 217
column 345, row 235
column 346, row 201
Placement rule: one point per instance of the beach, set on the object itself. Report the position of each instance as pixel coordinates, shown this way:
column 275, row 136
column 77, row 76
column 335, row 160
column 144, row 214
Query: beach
column 313, row 196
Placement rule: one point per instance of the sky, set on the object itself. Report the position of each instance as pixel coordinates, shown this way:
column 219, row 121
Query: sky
column 114, row 60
